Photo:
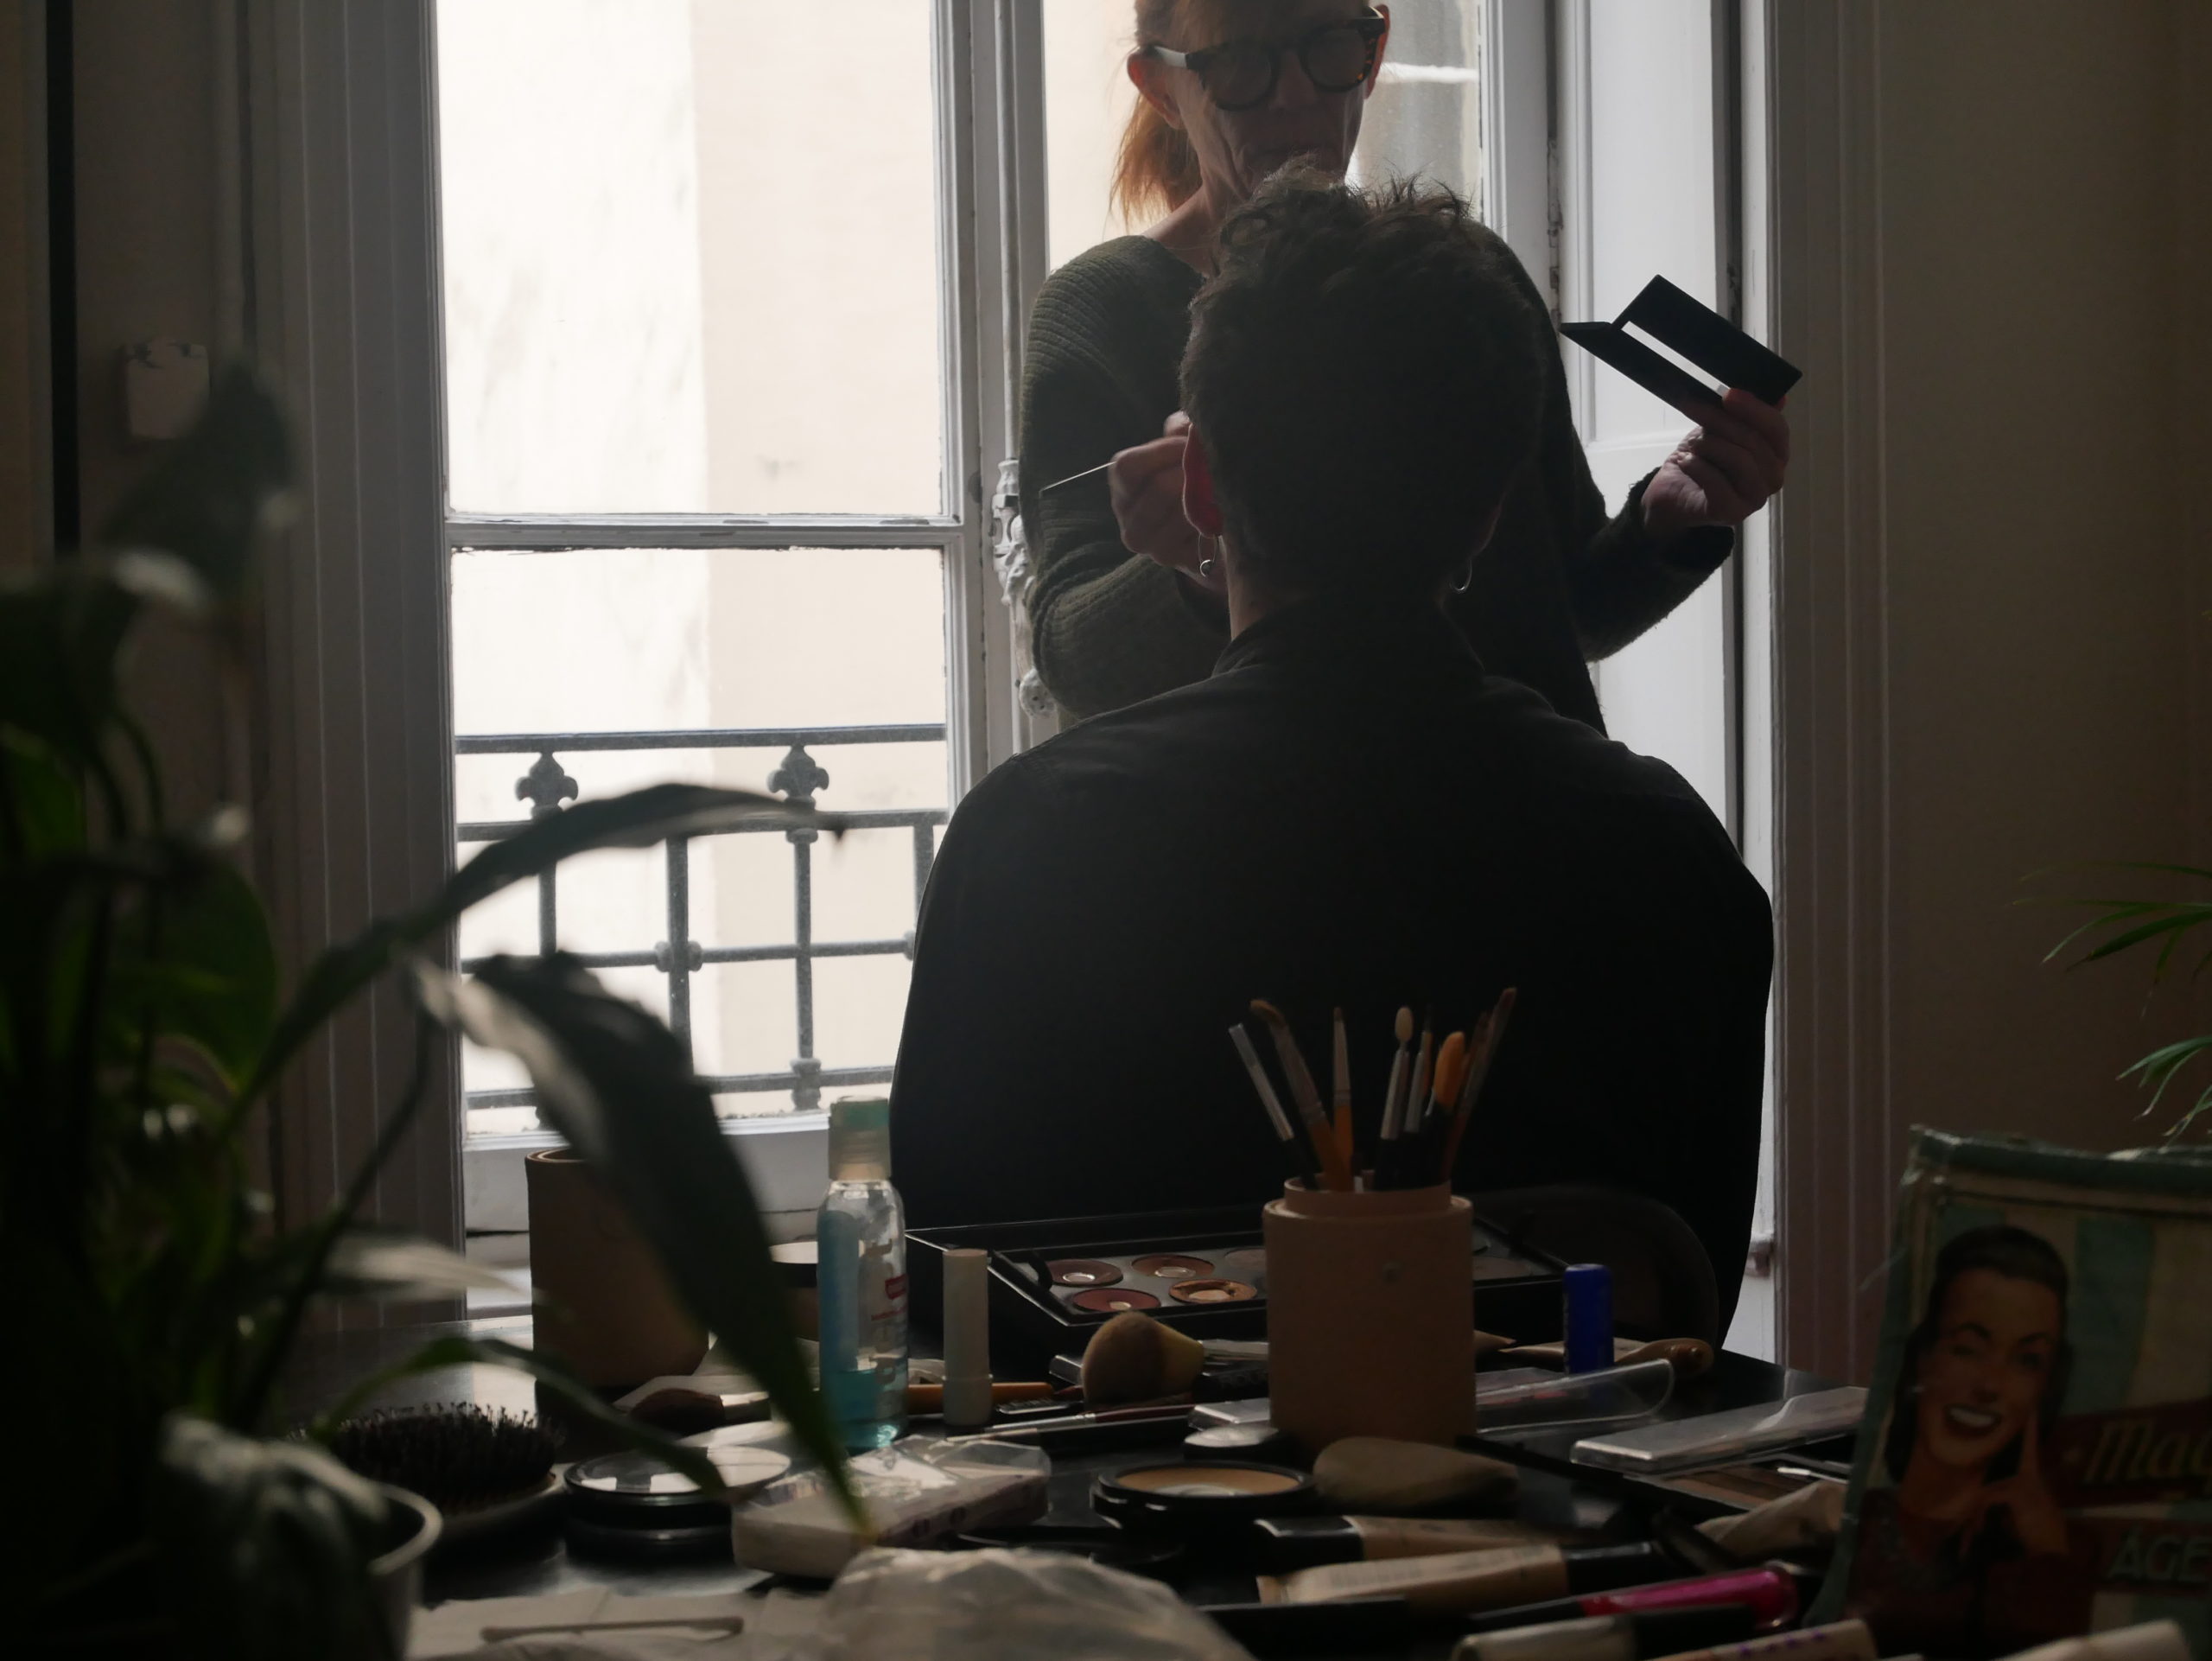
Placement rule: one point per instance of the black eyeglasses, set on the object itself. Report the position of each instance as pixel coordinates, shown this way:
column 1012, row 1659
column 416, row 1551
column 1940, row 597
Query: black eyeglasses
column 1243, row 75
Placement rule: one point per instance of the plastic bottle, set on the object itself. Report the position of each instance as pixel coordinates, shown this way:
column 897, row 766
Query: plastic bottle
column 860, row 1238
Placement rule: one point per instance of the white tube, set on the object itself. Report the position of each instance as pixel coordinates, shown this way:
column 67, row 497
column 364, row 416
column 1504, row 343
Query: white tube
column 967, row 1339
column 2154, row 1640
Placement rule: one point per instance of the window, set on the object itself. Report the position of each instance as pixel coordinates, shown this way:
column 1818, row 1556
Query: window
column 733, row 294
column 705, row 494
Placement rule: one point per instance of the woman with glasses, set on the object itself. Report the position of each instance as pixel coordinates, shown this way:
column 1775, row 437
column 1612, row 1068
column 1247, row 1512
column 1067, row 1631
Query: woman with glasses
column 1128, row 600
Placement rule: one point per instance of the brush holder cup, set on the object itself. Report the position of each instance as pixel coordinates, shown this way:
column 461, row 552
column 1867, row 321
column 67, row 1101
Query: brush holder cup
column 607, row 1309
column 1370, row 1316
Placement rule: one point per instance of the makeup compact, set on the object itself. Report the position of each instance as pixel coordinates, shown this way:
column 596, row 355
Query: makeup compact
column 632, row 1506
column 1204, row 1272
column 1212, row 1502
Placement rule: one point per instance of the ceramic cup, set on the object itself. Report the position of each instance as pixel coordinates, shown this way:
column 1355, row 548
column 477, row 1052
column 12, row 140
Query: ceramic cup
column 1370, row 1327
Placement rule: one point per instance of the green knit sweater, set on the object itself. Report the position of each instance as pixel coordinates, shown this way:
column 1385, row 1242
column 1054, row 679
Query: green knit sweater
column 1561, row 583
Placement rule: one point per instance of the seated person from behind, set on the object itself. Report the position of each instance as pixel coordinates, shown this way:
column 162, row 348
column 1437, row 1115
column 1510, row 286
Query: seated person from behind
column 1348, row 813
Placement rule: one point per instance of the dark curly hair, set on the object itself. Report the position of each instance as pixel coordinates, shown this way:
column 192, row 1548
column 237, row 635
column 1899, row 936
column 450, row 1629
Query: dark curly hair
column 1367, row 370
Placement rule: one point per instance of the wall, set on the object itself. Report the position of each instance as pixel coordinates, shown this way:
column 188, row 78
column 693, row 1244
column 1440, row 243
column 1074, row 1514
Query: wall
column 22, row 243
column 2041, row 637
column 2029, row 687
column 146, row 270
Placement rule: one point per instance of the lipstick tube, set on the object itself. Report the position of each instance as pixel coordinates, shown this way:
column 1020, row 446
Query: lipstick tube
column 1613, row 1637
column 1769, row 1592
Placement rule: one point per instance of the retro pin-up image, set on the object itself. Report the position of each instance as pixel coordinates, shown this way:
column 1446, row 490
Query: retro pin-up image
column 2039, row 1457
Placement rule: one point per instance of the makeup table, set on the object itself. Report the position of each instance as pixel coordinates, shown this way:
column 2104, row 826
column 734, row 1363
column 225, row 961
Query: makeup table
column 1552, row 1493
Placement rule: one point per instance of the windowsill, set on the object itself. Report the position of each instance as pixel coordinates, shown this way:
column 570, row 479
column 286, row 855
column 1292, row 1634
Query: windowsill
column 786, row 1159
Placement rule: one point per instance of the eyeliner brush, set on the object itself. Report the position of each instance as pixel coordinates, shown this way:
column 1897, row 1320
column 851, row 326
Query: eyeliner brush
column 1285, row 1132
column 1074, row 478
column 1334, row 1170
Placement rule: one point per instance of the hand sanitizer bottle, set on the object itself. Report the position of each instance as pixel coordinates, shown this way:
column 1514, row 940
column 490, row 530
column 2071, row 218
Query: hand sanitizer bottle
column 860, row 1238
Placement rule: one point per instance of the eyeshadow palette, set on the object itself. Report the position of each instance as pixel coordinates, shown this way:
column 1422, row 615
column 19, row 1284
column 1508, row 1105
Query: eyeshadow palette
column 1204, row 1272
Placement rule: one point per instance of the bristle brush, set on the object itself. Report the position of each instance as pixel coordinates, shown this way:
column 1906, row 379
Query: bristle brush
column 1336, row 1173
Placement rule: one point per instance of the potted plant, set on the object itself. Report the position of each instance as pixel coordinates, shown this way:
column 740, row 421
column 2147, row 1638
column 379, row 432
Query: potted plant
column 2170, row 925
column 153, row 1303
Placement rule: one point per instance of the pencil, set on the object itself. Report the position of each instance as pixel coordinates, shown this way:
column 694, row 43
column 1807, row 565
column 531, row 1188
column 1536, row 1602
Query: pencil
column 1335, row 1171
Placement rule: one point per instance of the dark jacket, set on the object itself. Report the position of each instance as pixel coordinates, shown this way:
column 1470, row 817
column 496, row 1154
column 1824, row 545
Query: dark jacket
column 1348, row 812
column 1559, row 582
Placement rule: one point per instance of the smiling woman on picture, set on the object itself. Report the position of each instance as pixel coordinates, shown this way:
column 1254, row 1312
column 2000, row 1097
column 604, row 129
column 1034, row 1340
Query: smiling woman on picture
column 1967, row 1552
column 1127, row 602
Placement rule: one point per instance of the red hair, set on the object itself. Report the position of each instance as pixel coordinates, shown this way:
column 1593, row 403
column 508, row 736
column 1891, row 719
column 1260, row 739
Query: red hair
column 1157, row 171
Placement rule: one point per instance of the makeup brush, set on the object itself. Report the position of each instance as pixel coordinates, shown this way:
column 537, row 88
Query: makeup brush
column 1387, row 1147
column 1134, row 1358
column 1451, row 1068
column 1341, row 1058
column 1074, row 478
column 1489, row 1032
column 1285, row 1132
column 1335, row 1171
column 1409, row 1110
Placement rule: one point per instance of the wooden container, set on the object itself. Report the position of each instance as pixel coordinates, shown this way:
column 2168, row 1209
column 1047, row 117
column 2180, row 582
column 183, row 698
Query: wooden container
column 1370, row 1320
column 605, row 1308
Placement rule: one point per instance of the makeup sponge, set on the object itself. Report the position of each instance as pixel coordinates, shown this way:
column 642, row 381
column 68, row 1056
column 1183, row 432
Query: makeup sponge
column 1374, row 1474
column 1134, row 1358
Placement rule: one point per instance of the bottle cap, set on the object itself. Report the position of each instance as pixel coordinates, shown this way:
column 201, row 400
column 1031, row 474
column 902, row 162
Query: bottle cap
column 860, row 1139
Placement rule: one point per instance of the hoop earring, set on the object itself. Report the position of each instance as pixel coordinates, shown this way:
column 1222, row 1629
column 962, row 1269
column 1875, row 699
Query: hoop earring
column 1206, row 564
column 1466, row 578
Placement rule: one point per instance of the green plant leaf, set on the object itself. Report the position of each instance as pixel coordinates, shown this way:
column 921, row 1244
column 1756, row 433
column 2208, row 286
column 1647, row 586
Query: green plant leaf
column 617, row 1086
column 59, row 640
column 44, row 808
column 459, row 1352
column 210, row 975
column 208, row 496
column 264, row 1547
column 394, row 1266
column 640, row 818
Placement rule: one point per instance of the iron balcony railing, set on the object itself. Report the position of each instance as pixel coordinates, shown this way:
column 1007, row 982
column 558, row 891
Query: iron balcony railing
column 797, row 779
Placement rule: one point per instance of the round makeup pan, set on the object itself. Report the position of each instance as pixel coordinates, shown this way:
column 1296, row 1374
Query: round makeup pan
column 1112, row 1300
column 1171, row 1266
column 1082, row 1271
column 1204, row 1292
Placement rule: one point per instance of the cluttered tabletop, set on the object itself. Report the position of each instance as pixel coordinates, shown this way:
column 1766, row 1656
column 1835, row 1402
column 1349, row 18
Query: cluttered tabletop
column 1379, row 1547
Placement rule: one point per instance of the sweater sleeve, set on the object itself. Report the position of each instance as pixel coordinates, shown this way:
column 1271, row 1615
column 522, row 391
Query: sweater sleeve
column 1620, row 579
column 1109, row 627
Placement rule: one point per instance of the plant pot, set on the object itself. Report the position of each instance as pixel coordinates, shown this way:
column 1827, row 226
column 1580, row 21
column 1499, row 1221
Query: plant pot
column 397, row 1576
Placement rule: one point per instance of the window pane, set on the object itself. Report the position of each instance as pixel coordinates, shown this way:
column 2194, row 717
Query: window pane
column 1088, row 98
column 682, row 640
column 691, row 252
column 1426, row 115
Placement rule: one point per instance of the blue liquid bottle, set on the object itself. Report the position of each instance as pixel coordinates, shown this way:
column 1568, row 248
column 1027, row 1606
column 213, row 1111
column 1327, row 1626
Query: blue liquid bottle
column 860, row 1239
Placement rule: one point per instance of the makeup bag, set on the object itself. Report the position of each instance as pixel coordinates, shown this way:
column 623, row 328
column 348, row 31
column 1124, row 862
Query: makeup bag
column 2036, row 1460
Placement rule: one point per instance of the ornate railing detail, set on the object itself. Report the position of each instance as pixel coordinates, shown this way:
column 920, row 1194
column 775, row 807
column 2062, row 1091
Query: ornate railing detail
column 799, row 779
